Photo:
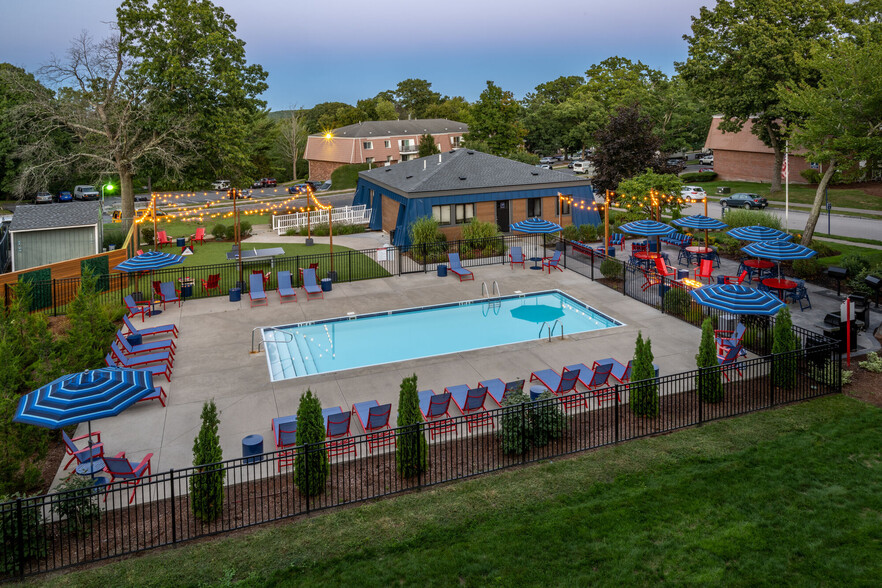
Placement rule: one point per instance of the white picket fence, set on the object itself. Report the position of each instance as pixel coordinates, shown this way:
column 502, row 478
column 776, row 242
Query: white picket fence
column 344, row 215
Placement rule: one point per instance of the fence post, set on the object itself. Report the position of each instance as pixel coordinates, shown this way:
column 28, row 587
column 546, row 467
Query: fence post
column 54, row 292
column 171, row 483
column 702, row 374
column 421, row 429
column 349, row 255
column 306, row 474
column 297, row 269
column 21, row 540
column 523, row 432
column 618, row 401
column 624, row 278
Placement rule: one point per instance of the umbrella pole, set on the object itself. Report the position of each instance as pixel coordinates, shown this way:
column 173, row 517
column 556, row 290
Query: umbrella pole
column 91, row 453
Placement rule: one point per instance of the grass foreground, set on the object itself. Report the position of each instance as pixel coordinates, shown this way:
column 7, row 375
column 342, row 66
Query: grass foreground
column 791, row 496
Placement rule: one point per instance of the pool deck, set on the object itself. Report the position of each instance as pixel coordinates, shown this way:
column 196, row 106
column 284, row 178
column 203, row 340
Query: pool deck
column 213, row 358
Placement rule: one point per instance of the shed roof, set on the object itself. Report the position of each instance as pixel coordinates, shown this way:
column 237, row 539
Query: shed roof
column 388, row 128
column 465, row 170
column 30, row 217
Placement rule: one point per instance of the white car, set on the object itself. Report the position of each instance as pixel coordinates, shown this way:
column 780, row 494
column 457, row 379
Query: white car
column 693, row 194
column 221, row 185
column 706, row 160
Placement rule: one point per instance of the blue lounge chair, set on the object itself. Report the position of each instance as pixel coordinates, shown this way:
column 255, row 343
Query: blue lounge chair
column 157, row 394
column 286, row 291
column 285, row 435
column 148, row 347
column 147, row 331
column 470, row 402
column 169, row 294
column 89, row 452
column 594, row 378
column 310, row 284
column 516, row 257
column 729, row 360
column 620, row 372
column 730, row 338
column 456, row 267
column 126, row 472
column 500, row 390
column 435, row 409
column 340, row 441
column 560, row 384
column 140, row 359
column 157, row 370
column 374, row 418
column 552, row 262
column 135, row 308
column 256, row 293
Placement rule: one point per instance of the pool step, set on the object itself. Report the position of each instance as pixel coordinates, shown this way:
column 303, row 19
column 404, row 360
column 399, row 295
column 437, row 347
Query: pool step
column 304, row 355
column 278, row 354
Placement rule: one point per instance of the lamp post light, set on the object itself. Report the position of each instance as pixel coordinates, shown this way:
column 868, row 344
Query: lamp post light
column 109, row 187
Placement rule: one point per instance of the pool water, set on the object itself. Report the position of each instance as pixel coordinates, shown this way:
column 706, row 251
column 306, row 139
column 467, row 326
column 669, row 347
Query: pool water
column 351, row 342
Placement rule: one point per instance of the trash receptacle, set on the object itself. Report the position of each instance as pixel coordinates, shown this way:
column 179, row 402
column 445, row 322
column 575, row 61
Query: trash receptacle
column 252, row 448
column 182, row 241
column 536, row 392
column 326, row 284
column 442, row 270
column 235, row 294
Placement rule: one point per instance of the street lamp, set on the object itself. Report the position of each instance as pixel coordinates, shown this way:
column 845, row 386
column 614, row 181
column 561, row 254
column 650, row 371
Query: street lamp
column 109, row 189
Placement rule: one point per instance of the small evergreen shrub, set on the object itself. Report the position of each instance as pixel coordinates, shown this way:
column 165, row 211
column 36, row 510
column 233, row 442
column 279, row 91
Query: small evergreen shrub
column 854, row 264
column 677, row 301
column 91, row 330
column 547, row 420
column 411, row 448
column 77, row 505
column 644, row 387
column 806, row 268
column 826, row 374
column 710, row 387
column 28, row 538
column 311, row 467
column 873, row 363
column 745, row 218
column 513, row 433
column 219, row 232
column 207, row 482
column 611, row 269
column 784, row 342
column 147, row 236
column 115, row 238
column 482, row 237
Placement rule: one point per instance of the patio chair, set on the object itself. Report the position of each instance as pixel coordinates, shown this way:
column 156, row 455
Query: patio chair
column 663, row 269
column 134, row 361
column 93, row 451
column 126, row 472
column 617, row 239
column 650, row 279
column 638, row 246
column 705, row 269
column 618, row 370
column 552, row 262
column 499, row 390
column 286, row 291
column 736, row 280
column 198, row 237
column 168, row 293
column 560, row 384
column 799, row 294
column 516, row 257
column 212, row 283
column 136, row 308
column 111, row 360
column 456, row 267
column 684, row 257
column 729, row 360
column 374, row 418
column 255, row 292
column 714, row 256
column 594, row 378
column 157, row 394
column 726, row 338
column 162, row 239
column 470, row 402
column 285, row 434
column 340, row 441
column 148, row 347
column 265, row 276
column 147, row 331
column 435, row 409
column 310, row 284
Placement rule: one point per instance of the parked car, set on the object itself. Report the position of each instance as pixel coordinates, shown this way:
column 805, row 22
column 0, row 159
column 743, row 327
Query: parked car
column 674, row 162
column 706, row 160
column 326, row 185
column 548, row 160
column 43, row 198
column 314, row 184
column 744, row 200
column 257, row 184
column 298, row 189
column 221, row 185
column 544, row 165
column 583, row 167
column 64, row 196
column 269, row 182
column 86, row 193
column 693, row 194
column 572, row 161
column 705, row 169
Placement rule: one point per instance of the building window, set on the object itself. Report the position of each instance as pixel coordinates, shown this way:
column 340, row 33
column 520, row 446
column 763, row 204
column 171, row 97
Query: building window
column 464, row 213
column 368, row 159
column 454, row 141
column 563, row 206
column 388, row 159
column 534, row 207
column 441, row 214
column 368, row 144
column 387, row 144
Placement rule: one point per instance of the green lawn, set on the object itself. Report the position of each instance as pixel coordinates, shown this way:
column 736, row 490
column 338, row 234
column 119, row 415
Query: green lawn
column 785, row 497
column 799, row 193
column 874, row 256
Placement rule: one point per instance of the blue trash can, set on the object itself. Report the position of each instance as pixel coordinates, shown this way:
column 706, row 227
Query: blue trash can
column 235, row 294
column 252, row 448
column 182, row 241
column 537, row 391
column 442, row 270
column 326, row 284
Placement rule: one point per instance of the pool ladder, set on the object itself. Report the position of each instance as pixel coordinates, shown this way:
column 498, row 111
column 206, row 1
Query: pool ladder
column 489, row 292
column 262, row 341
column 552, row 329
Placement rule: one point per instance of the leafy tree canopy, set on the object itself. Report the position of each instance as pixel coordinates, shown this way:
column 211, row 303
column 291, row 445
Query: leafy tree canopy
column 415, row 96
column 495, row 120
column 626, row 146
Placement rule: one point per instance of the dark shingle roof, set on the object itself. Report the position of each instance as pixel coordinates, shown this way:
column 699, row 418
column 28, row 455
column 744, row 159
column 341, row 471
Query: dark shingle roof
column 386, row 128
column 465, row 170
column 29, row 217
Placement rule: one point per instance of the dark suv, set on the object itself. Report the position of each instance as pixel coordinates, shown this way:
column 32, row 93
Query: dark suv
column 744, row 200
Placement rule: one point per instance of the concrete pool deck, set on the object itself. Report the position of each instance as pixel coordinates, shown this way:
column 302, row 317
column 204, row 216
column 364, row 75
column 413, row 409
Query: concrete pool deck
column 213, row 358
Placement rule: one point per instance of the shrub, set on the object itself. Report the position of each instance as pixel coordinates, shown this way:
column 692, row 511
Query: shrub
column 219, row 232
column 644, row 388
column 784, row 342
column 78, row 504
column 482, row 236
column 571, row 233
column 710, row 387
column 676, row 301
column 244, row 229
column 207, row 482
column 806, row 268
column 812, row 176
column 91, row 330
column 746, row 218
column 346, row 177
column 311, row 464
column 546, row 420
column 323, row 230
column 693, row 177
column 827, row 374
column 426, row 240
column 611, row 269
column 873, row 363
column 410, row 452
column 514, row 425
column 854, row 264
column 115, row 238
column 28, row 538
column 230, row 232
column 857, row 283
column 589, row 233
column 147, row 236
column 823, row 249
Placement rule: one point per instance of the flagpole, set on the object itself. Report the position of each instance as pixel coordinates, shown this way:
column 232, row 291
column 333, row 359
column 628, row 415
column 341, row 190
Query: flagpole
column 787, row 186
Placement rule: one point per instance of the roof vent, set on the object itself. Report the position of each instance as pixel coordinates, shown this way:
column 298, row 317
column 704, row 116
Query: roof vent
column 534, row 173
column 462, row 177
column 388, row 169
column 470, row 152
column 407, row 177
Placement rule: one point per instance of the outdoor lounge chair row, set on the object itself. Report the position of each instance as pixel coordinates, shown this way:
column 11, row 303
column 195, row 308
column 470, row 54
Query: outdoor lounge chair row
column 157, row 357
column 257, row 282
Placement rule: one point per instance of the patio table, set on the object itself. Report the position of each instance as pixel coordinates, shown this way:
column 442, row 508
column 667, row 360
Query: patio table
column 780, row 284
column 535, row 261
column 698, row 251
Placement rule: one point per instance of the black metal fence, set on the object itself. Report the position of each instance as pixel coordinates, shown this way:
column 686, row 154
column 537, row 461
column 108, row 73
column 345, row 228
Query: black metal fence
column 160, row 510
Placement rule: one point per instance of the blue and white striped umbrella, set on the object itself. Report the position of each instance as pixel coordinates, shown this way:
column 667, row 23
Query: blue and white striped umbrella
column 737, row 299
column 535, row 225
column 648, row 228
column 700, row 222
column 779, row 250
column 756, row 233
column 152, row 260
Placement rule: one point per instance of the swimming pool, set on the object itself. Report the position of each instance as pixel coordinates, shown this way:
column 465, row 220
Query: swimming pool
column 356, row 341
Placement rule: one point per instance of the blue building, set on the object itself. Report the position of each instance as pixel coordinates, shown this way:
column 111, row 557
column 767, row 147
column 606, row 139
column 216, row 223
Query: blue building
column 457, row 186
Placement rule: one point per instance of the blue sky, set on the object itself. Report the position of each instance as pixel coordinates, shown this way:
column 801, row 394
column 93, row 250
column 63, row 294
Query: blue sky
column 343, row 50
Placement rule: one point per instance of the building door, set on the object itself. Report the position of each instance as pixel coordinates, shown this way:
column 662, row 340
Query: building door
column 503, row 217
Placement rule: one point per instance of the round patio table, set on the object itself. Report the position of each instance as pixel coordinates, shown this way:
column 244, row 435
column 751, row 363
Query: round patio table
column 646, row 255
column 780, row 284
column 535, row 265
column 760, row 264
column 698, row 251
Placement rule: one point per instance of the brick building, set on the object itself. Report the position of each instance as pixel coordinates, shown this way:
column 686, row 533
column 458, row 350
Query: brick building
column 454, row 187
column 742, row 156
column 381, row 142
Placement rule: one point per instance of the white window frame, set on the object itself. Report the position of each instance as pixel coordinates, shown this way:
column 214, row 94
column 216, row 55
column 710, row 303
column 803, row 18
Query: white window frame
column 387, row 144
column 529, row 214
column 464, row 213
column 367, row 145
column 440, row 212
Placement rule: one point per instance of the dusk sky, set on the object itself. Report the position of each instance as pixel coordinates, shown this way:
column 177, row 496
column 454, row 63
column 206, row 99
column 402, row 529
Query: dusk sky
column 344, row 50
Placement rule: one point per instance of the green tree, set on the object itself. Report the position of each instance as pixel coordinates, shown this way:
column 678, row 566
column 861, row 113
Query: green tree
column 207, row 482
column 292, row 137
column 495, row 120
column 643, row 389
column 839, row 115
column 385, row 110
column 626, row 146
column 649, row 190
column 427, row 146
column 710, row 387
column 91, row 329
column 411, row 447
column 741, row 51
column 416, row 96
column 321, row 117
column 784, row 342
column 311, row 467
column 457, row 109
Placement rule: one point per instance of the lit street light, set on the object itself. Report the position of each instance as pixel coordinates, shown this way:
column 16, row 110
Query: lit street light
column 109, row 189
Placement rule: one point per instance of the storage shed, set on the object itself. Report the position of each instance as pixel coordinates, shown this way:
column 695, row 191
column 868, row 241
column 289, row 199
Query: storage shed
column 455, row 187
column 49, row 233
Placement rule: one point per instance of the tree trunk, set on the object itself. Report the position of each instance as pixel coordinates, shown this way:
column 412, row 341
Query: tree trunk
column 127, row 193
column 816, row 207
column 779, row 159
